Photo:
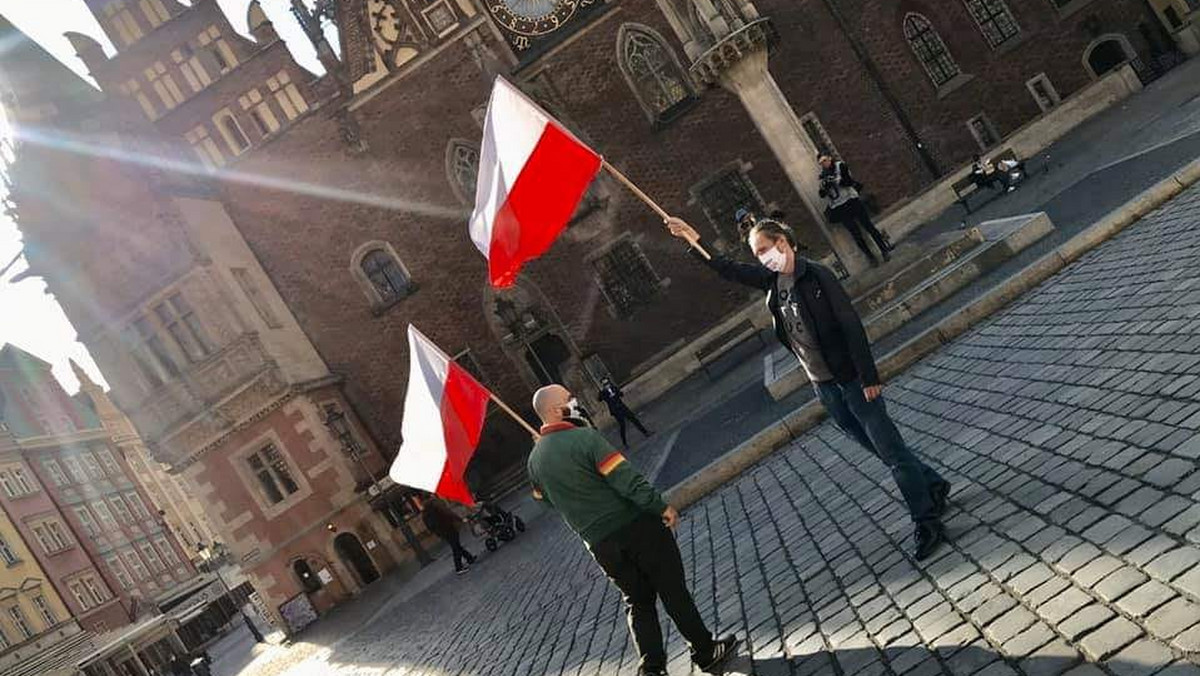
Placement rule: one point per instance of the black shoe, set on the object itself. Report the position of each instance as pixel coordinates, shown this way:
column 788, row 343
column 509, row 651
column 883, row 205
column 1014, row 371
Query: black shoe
column 941, row 498
column 462, row 571
column 929, row 536
column 723, row 649
column 651, row 672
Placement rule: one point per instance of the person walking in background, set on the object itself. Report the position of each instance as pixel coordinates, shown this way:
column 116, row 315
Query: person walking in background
column 626, row 526
column 611, row 395
column 444, row 523
column 816, row 321
column 844, row 203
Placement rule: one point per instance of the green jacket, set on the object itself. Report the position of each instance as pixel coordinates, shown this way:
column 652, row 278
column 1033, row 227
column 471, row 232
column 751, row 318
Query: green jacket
column 596, row 490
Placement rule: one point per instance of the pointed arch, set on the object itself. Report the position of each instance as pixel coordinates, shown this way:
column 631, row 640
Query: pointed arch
column 930, row 50
column 383, row 277
column 653, row 72
column 462, row 168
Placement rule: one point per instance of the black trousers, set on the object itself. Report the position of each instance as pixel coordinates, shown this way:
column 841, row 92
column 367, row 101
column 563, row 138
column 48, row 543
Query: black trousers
column 624, row 414
column 854, row 217
column 462, row 557
column 643, row 561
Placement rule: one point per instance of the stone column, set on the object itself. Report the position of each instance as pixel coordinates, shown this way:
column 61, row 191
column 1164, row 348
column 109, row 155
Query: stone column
column 739, row 64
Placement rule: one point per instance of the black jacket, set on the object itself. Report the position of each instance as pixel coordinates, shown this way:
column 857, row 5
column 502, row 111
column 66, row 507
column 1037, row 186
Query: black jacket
column 611, row 395
column 440, row 520
column 825, row 309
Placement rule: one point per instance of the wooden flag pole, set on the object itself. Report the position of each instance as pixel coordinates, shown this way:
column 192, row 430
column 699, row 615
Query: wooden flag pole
column 505, row 407
column 649, row 202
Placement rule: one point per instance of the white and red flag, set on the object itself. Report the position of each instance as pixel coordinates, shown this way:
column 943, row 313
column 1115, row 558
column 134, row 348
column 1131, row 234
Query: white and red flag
column 444, row 410
column 532, row 174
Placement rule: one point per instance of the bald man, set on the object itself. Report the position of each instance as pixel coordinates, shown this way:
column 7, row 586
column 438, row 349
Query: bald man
column 626, row 526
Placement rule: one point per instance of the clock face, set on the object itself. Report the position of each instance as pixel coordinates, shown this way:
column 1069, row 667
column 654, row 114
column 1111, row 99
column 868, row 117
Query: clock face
column 533, row 18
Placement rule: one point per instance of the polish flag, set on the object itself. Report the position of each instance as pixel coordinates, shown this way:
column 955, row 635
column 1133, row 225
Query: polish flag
column 532, row 174
column 444, row 410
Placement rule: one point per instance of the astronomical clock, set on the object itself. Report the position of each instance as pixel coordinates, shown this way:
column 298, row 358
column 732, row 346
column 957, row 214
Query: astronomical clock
column 533, row 26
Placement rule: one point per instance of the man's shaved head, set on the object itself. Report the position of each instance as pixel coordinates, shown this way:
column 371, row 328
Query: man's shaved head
column 549, row 401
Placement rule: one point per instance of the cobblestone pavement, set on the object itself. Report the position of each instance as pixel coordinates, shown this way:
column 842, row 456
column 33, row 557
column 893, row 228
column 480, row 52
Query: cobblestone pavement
column 1067, row 425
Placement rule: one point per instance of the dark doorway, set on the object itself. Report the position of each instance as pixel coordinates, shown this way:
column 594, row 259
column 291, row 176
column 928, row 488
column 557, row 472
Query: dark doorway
column 545, row 355
column 308, row 579
column 1106, row 56
column 356, row 558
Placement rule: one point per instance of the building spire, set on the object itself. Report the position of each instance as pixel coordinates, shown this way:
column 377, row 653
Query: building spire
column 85, row 381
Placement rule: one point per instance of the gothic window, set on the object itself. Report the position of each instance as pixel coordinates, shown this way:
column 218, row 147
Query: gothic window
column 721, row 195
column 191, row 67
column 287, row 95
column 995, row 20
column 232, row 131
column 929, row 49
column 384, row 278
column 260, row 113
column 462, row 168
column 164, row 85
column 222, row 56
column 653, row 72
column 205, row 147
column 154, row 11
column 625, row 276
column 123, row 23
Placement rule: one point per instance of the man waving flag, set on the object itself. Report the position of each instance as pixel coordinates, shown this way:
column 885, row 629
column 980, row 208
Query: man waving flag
column 532, row 175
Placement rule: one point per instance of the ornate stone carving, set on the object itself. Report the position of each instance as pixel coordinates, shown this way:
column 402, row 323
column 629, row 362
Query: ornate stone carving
column 754, row 36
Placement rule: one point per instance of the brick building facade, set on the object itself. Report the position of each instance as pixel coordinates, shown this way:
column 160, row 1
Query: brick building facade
column 266, row 236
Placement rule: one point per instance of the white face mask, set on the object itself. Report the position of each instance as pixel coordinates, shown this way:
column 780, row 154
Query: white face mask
column 574, row 410
column 773, row 260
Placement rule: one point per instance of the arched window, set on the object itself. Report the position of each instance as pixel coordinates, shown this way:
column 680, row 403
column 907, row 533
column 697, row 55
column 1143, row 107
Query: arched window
column 308, row 579
column 462, row 168
column 995, row 20
column 384, row 278
column 232, row 131
column 653, row 72
column 929, row 49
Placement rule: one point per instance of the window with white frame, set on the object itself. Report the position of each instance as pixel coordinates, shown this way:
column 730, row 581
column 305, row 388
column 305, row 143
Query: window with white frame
column 653, row 71
column 625, row 276
column 119, row 571
column 150, row 352
column 995, row 20
column 260, row 112
column 817, row 136
column 14, row 482
column 136, row 567
column 168, row 552
column 107, row 522
column 153, row 560
column 721, row 196
column 7, row 555
column 75, row 468
column 229, row 127
column 270, row 469
column 983, row 132
column 1043, row 92
column 49, row 617
column 254, row 294
column 120, row 509
column 96, row 590
column 192, row 68
column 164, row 85
column 110, row 463
column 287, row 95
column 17, row 617
column 205, row 147
column 440, row 17
column 133, row 89
column 87, row 521
column 57, row 476
column 93, row 467
column 176, row 316
column 929, row 49
column 118, row 16
column 154, row 11
column 51, row 536
column 137, row 506
column 216, row 46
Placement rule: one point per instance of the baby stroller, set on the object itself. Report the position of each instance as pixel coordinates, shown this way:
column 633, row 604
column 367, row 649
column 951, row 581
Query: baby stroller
column 495, row 525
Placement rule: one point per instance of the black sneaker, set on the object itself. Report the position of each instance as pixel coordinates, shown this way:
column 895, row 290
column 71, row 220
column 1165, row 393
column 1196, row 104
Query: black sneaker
column 723, row 649
column 651, row 672
column 941, row 498
column 462, row 571
column 928, row 536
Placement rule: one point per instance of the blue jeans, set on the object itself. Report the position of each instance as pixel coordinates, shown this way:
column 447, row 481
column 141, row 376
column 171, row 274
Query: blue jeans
column 868, row 423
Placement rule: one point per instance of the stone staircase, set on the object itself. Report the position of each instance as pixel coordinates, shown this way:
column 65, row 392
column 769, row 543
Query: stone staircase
column 57, row 659
column 919, row 277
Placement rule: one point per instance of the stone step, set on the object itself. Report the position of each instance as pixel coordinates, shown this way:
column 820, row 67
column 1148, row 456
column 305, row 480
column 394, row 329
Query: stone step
column 1002, row 239
column 931, row 257
column 59, row 659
